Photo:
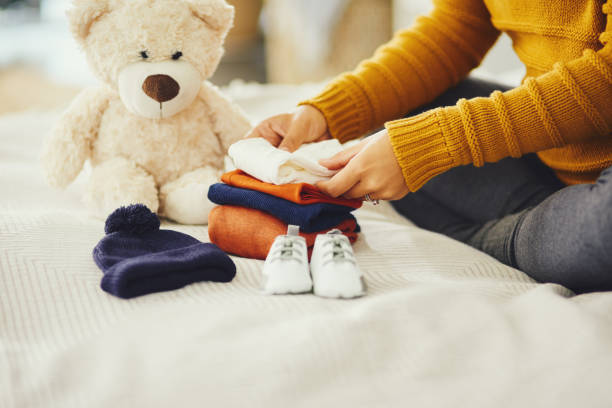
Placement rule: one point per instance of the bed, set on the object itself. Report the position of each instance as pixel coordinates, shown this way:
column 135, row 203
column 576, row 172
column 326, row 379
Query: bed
column 443, row 325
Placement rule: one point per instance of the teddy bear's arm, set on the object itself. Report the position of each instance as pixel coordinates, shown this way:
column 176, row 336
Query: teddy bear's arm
column 229, row 121
column 69, row 143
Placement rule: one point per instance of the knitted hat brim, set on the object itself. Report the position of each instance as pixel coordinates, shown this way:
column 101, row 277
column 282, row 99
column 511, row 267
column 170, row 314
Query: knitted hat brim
column 168, row 270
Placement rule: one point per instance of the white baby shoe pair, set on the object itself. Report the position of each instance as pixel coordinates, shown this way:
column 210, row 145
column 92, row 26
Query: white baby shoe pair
column 335, row 272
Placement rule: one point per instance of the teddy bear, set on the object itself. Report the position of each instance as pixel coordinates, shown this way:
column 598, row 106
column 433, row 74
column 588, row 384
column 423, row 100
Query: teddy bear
column 156, row 132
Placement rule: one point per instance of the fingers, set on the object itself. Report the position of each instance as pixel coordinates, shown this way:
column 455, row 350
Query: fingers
column 257, row 130
column 295, row 134
column 358, row 191
column 342, row 182
column 339, row 160
column 290, row 145
column 323, row 137
column 342, row 158
column 268, row 133
column 273, row 129
column 294, row 137
column 254, row 132
column 307, row 125
column 290, row 130
column 370, row 168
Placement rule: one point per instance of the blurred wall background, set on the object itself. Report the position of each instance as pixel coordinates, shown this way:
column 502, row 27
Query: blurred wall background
column 286, row 41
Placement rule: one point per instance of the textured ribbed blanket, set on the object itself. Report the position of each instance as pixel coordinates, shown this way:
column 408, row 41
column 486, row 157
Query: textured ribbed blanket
column 442, row 325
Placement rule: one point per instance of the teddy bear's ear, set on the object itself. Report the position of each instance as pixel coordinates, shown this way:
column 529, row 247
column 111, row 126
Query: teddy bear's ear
column 215, row 13
column 83, row 14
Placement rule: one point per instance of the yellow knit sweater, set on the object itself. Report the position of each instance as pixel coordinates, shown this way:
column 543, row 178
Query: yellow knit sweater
column 563, row 109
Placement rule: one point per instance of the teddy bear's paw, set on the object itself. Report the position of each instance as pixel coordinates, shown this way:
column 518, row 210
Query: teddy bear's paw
column 117, row 183
column 62, row 160
column 185, row 200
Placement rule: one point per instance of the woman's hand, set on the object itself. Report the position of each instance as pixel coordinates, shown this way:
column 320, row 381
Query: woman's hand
column 290, row 130
column 367, row 168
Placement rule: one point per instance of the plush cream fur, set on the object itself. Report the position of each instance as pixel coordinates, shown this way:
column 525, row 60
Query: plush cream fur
column 165, row 157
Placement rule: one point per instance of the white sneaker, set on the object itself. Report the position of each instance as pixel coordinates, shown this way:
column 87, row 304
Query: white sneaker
column 286, row 268
column 334, row 269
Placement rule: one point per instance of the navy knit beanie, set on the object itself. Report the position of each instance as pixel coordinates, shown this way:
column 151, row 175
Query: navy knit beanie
column 138, row 258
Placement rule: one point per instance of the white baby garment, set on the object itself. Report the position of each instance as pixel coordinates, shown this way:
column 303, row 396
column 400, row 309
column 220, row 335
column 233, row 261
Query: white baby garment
column 263, row 161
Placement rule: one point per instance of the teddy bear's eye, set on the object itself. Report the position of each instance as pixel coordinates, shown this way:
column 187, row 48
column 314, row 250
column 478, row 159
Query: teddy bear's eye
column 177, row 55
column 144, row 54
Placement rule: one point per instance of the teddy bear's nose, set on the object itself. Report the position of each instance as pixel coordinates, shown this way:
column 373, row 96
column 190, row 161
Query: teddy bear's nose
column 162, row 88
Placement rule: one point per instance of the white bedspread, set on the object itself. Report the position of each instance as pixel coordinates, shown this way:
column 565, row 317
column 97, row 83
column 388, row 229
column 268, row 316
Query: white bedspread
column 442, row 325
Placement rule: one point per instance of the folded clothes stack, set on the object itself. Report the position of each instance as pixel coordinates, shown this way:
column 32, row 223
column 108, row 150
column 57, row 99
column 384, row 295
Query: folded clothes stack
column 252, row 213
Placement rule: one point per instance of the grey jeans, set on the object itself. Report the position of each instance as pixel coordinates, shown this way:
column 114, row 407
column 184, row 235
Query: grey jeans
column 517, row 211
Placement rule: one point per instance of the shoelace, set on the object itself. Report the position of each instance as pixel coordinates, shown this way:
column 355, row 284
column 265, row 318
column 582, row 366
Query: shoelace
column 340, row 251
column 288, row 249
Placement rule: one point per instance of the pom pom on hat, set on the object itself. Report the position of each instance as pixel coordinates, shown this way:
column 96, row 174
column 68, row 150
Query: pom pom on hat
column 134, row 219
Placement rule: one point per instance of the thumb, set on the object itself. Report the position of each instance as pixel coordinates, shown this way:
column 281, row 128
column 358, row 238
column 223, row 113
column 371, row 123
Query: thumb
column 293, row 140
column 289, row 144
column 303, row 129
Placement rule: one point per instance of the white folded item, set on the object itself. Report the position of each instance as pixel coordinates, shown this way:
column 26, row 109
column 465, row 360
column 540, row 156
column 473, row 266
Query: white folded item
column 257, row 157
column 286, row 268
column 334, row 269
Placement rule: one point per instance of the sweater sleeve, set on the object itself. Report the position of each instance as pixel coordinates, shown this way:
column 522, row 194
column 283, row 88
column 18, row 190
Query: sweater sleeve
column 567, row 105
column 416, row 66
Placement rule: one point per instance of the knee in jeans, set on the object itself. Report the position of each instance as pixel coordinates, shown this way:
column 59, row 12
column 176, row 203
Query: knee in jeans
column 598, row 216
column 606, row 174
column 602, row 192
column 603, row 185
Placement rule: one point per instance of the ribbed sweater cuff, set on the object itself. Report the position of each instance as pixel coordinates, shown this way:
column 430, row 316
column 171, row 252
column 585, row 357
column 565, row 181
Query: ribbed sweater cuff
column 420, row 148
column 344, row 106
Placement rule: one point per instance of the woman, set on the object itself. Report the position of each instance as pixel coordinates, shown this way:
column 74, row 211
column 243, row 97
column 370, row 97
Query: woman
column 524, row 175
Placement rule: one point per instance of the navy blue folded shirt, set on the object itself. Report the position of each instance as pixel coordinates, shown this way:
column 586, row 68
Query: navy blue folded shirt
column 309, row 217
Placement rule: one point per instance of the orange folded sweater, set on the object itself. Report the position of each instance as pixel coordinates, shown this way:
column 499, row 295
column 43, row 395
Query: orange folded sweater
column 250, row 233
column 299, row 193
